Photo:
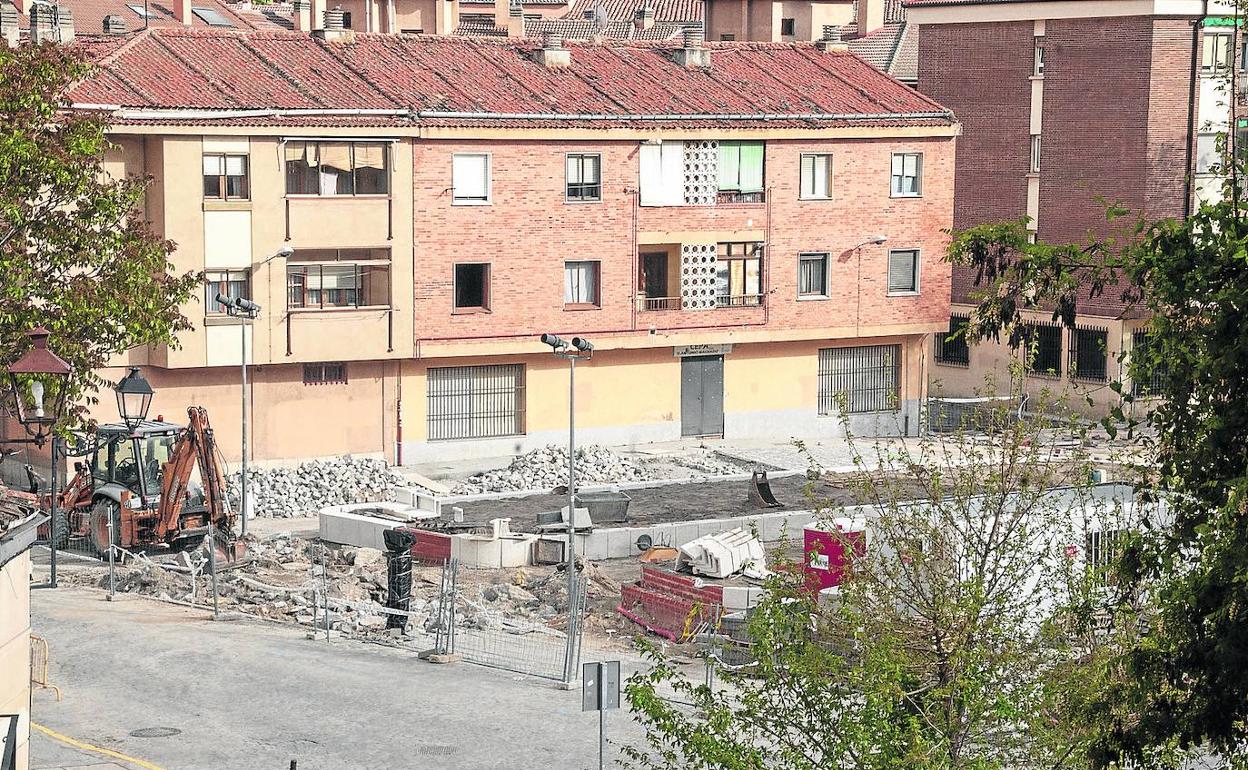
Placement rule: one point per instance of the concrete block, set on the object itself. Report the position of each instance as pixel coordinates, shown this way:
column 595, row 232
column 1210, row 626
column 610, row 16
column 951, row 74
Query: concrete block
column 596, row 545
column 621, row 543
column 475, row 551
column 355, row 529
column 683, row 533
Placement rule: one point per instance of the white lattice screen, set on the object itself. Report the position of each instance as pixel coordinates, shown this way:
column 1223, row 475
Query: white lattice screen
column 697, row 276
column 701, row 173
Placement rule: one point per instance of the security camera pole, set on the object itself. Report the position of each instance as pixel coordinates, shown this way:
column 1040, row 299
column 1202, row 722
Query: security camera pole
column 578, row 349
column 247, row 310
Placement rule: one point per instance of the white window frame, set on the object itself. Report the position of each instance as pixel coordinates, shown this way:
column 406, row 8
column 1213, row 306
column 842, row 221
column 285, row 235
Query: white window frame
column 801, row 176
column 1201, row 138
column 827, row 279
column 892, row 189
column 1209, row 61
column 917, row 267
column 489, row 180
column 1036, row 147
column 1037, row 65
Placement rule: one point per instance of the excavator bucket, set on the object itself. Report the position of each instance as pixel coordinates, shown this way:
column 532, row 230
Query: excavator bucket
column 760, row 491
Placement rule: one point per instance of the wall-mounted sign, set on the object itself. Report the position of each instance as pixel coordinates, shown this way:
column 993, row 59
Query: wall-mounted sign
column 701, row 350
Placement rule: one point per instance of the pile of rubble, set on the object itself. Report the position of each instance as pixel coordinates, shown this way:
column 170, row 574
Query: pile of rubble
column 547, row 468
column 282, row 580
column 285, row 492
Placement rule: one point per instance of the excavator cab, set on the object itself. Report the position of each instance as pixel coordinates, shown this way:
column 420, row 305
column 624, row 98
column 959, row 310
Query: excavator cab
column 132, row 461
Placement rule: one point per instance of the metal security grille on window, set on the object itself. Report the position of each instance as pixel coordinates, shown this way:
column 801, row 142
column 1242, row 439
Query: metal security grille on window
column 903, row 271
column 1043, row 349
column 324, row 374
column 1146, row 379
column 952, row 348
column 1089, row 354
column 860, row 379
column 1102, row 551
column 475, row 402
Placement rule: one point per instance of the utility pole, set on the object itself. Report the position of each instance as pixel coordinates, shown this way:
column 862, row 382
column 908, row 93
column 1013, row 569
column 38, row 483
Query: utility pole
column 579, row 348
column 247, row 311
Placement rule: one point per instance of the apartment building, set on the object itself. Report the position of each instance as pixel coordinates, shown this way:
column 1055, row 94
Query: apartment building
column 714, row 229
column 1063, row 105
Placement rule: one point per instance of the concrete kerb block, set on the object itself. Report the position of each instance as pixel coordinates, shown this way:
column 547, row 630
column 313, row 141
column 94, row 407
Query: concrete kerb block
column 684, row 532
column 596, row 545
column 621, row 543
column 433, row 656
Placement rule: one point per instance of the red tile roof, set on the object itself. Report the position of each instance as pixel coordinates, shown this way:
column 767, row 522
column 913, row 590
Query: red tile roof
column 89, row 15
column 451, row 81
column 624, row 10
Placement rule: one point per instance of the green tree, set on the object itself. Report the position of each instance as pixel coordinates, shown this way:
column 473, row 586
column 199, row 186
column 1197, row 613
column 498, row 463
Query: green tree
column 971, row 634
column 76, row 254
column 1188, row 685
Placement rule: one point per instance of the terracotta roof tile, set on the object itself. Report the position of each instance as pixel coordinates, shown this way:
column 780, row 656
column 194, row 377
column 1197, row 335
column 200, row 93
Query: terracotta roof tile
column 624, row 10
column 168, row 69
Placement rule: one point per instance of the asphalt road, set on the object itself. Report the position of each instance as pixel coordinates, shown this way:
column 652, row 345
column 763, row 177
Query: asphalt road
column 243, row 695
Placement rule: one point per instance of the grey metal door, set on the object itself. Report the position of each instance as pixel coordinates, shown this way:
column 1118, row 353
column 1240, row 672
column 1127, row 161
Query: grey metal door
column 702, row 396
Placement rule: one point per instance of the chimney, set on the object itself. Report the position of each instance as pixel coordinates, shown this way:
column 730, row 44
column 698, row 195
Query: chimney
column 869, row 14
column 335, row 28
column 42, row 24
column 301, row 13
column 114, row 25
column 552, row 55
column 693, row 53
column 9, row 31
column 831, row 40
column 515, row 18
column 64, row 24
column 182, row 11
column 644, row 18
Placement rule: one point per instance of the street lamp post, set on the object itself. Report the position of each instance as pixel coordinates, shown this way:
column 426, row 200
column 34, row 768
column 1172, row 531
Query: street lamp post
column 237, row 307
column 579, row 348
column 39, row 385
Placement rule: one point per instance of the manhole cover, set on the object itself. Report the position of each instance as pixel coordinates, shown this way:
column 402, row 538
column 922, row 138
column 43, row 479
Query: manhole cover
column 155, row 732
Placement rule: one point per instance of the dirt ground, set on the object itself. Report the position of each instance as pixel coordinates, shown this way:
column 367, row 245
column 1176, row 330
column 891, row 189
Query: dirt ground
column 675, row 502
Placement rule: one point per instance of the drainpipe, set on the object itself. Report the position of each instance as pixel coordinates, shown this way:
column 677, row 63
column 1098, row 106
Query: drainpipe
column 1189, row 168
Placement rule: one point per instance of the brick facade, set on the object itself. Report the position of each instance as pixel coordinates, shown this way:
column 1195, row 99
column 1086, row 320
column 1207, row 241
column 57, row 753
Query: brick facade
column 1115, row 115
column 529, row 230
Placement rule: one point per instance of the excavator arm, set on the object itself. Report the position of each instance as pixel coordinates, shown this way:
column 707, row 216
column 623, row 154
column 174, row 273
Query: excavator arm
column 196, row 446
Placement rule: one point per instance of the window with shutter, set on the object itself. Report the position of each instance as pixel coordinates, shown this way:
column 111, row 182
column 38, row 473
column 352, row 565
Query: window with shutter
column 662, row 174
column 907, row 174
column 470, row 179
column 903, row 271
column 816, row 173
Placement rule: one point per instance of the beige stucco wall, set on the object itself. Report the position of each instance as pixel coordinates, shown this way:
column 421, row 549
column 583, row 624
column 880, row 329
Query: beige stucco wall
column 989, row 372
column 212, row 235
column 15, row 649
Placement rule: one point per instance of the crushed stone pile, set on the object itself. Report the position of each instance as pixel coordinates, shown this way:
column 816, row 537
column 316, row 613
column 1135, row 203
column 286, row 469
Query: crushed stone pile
column 286, row 492
column 547, row 468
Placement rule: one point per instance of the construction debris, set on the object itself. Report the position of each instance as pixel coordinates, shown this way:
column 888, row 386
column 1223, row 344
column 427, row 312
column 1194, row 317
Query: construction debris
column 286, row 492
column 547, row 468
column 283, row 581
column 725, row 554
